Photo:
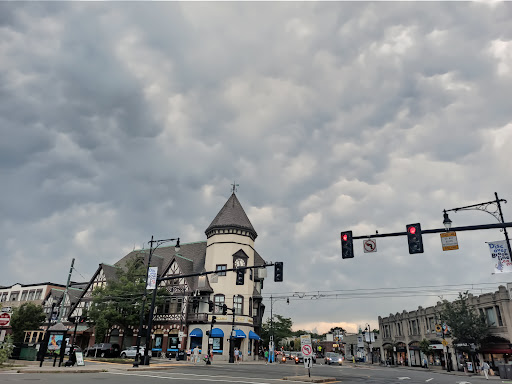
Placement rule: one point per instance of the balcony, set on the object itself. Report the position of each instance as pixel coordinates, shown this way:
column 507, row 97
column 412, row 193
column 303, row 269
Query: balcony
column 197, row 317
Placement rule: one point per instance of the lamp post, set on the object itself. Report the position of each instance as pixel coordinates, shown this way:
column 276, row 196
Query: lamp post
column 272, row 299
column 484, row 207
column 144, row 298
column 369, row 333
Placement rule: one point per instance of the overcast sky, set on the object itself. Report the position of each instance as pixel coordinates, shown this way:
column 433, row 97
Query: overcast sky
column 120, row 121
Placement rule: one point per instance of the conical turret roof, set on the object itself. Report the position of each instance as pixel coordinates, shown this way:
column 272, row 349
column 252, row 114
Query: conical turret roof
column 232, row 217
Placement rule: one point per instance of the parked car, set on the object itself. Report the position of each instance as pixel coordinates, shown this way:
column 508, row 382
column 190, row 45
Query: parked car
column 131, row 352
column 76, row 348
column 299, row 358
column 333, row 358
column 103, row 350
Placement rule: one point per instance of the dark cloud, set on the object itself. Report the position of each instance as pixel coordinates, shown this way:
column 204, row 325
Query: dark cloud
column 125, row 120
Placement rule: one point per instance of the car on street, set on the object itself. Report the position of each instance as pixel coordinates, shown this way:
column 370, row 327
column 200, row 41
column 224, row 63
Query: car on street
column 131, row 352
column 333, row 358
column 103, row 350
column 299, row 358
column 292, row 355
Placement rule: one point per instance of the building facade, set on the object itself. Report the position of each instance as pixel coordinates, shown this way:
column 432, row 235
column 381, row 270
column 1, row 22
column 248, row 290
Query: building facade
column 194, row 314
column 402, row 333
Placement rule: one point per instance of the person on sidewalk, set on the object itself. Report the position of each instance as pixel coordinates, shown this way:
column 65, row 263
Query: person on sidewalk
column 237, row 352
column 425, row 363
column 266, row 356
column 195, row 357
column 485, row 368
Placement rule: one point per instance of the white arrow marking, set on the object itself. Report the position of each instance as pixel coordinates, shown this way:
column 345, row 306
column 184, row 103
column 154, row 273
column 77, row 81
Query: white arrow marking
column 429, row 379
column 463, row 382
column 404, row 378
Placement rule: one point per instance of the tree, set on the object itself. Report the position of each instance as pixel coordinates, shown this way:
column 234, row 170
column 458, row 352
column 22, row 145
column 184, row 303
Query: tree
column 26, row 317
column 6, row 349
column 119, row 301
column 467, row 325
column 282, row 328
column 425, row 347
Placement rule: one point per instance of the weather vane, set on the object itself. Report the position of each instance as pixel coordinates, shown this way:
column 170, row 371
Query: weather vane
column 234, row 185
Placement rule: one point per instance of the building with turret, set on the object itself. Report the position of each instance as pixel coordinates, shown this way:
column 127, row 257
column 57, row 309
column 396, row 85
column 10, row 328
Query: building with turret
column 195, row 314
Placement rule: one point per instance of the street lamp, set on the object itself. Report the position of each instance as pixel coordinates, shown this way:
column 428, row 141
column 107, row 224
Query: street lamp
column 144, row 298
column 272, row 299
column 496, row 212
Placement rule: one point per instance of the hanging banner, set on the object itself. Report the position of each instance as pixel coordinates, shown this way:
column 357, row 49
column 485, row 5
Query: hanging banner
column 152, row 272
column 500, row 256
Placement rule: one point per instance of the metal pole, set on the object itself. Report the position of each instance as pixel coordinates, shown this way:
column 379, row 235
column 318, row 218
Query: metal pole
column 181, row 323
column 144, row 297
column 150, row 324
column 231, row 341
column 271, row 331
column 503, row 221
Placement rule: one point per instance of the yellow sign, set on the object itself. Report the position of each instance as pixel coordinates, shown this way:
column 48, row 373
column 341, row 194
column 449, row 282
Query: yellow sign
column 449, row 241
column 445, row 343
column 438, row 328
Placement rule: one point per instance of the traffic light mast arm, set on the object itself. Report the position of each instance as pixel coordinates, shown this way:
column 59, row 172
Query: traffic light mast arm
column 213, row 272
column 438, row 230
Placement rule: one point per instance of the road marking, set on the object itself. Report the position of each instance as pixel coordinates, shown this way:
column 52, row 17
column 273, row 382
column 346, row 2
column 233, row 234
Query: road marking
column 404, row 378
column 429, row 379
column 206, row 377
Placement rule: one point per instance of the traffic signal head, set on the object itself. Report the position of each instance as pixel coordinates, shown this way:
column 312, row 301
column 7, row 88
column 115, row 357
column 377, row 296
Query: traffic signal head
column 224, row 309
column 214, row 319
column 240, row 277
column 414, row 238
column 347, row 246
column 210, row 306
column 278, row 271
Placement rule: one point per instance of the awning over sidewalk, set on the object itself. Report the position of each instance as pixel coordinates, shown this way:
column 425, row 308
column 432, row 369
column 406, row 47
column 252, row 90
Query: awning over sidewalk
column 253, row 336
column 196, row 333
column 239, row 334
column 216, row 332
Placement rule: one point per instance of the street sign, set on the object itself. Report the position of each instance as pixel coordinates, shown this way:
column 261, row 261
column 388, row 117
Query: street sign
column 308, row 362
column 5, row 319
column 449, row 241
column 444, row 342
column 370, row 246
column 6, row 309
column 307, row 350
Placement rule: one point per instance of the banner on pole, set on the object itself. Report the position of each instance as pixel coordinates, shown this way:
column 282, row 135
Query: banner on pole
column 500, row 256
column 152, row 272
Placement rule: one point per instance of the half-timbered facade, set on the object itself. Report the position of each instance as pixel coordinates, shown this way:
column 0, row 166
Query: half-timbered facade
column 185, row 320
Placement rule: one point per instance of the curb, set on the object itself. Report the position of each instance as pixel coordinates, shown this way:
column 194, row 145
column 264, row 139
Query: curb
column 62, row 371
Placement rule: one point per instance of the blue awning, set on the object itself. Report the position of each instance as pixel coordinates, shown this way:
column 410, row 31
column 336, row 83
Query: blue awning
column 216, row 332
column 253, row 336
column 239, row 334
column 196, row 333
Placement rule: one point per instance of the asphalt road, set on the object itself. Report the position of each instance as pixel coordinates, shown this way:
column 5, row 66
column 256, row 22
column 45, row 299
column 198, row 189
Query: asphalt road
column 247, row 374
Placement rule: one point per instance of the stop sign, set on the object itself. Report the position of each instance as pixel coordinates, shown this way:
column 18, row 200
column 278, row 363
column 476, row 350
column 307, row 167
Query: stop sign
column 5, row 318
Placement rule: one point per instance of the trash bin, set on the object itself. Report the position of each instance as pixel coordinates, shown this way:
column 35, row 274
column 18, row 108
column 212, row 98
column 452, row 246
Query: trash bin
column 181, row 355
column 508, row 371
column 503, row 371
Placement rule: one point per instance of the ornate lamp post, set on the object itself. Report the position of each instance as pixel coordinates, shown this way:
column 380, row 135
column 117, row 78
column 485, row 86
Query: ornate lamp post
column 145, row 361
column 368, row 331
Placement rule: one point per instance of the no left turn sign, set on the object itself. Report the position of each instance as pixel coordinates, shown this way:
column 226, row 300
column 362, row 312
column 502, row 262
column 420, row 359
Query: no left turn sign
column 369, row 246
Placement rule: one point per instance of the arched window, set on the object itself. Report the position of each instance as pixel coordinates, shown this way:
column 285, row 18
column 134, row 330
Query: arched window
column 219, row 302
column 238, row 304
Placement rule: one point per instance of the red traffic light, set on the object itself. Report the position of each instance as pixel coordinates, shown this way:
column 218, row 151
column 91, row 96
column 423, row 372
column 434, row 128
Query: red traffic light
column 412, row 230
column 344, row 237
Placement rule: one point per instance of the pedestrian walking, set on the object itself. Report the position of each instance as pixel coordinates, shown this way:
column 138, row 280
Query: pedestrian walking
column 425, row 363
column 485, row 368
column 266, row 356
column 195, row 358
column 189, row 352
column 237, row 354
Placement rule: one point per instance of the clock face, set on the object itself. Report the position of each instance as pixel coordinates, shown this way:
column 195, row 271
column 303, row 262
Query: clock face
column 239, row 263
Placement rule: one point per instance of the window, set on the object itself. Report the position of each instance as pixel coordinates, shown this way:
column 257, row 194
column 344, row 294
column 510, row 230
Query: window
column 24, row 295
column 431, row 325
column 4, row 297
column 31, row 295
column 498, row 314
column 39, row 293
column 238, row 304
column 221, row 267
column 490, row 316
column 250, row 306
column 173, row 305
column 14, row 296
column 399, row 329
column 219, row 302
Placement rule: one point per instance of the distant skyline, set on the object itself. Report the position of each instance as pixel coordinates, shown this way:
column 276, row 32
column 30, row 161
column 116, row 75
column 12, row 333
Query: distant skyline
column 121, row 121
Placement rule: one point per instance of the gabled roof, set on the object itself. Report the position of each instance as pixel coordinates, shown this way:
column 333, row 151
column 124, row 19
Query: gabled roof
column 232, row 215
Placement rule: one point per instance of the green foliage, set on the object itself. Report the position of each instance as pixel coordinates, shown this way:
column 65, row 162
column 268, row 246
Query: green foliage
column 425, row 347
column 467, row 326
column 6, row 349
column 282, row 328
column 26, row 317
column 120, row 301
